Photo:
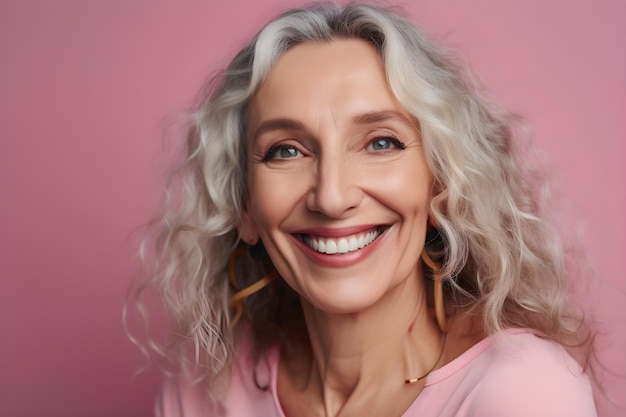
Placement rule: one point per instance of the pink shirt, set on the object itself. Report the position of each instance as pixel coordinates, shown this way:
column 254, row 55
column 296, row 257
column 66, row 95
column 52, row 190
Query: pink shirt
column 511, row 374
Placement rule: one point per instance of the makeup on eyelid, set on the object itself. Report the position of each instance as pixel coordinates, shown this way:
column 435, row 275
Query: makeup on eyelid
column 291, row 151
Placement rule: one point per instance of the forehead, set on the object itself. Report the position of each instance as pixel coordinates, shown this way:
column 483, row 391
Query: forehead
column 315, row 58
column 346, row 74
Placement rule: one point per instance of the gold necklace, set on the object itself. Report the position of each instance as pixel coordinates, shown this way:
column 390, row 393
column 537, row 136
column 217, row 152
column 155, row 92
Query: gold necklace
column 443, row 348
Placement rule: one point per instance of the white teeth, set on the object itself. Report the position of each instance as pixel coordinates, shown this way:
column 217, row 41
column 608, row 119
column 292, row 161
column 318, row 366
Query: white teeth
column 353, row 245
column 346, row 244
column 331, row 247
column 342, row 246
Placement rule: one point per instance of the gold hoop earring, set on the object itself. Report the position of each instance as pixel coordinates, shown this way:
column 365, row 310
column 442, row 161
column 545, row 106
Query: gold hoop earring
column 440, row 311
column 237, row 299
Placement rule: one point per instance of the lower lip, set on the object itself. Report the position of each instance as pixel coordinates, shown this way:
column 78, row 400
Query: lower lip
column 339, row 260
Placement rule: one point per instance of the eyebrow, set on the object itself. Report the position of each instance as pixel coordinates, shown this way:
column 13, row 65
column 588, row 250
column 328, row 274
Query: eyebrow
column 383, row 116
column 277, row 124
column 284, row 123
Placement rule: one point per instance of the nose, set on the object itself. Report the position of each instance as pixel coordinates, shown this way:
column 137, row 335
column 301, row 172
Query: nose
column 335, row 191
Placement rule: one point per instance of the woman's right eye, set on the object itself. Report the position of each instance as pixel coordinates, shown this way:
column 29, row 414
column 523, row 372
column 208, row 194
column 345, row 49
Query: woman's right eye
column 281, row 152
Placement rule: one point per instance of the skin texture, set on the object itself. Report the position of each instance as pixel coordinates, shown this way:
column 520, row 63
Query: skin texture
column 331, row 153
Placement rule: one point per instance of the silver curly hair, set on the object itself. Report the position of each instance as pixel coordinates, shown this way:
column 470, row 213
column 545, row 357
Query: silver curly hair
column 501, row 253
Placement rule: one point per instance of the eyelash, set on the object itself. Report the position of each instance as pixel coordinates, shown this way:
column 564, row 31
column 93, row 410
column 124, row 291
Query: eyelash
column 393, row 140
column 269, row 155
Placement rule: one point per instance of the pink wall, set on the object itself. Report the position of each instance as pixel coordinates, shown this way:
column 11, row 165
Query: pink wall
column 86, row 92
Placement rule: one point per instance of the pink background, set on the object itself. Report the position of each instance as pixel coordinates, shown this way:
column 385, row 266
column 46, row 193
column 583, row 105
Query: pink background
column 88, row 90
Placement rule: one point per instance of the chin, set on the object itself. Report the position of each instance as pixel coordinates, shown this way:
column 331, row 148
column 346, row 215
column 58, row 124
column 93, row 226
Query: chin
column 344, row 301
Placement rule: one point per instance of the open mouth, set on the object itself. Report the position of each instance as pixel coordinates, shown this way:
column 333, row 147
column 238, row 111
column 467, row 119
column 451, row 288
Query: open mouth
column 345, row 244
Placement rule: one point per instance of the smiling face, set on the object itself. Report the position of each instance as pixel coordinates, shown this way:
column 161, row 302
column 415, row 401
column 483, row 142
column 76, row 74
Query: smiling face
column 338, row 185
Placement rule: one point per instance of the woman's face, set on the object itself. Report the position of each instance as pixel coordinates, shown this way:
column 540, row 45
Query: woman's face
column 338, row 186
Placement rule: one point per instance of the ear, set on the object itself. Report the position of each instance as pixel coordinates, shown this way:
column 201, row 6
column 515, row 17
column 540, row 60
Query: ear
column 247, row 228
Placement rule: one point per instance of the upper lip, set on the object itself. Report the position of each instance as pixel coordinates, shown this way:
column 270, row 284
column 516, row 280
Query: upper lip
column 337, row 232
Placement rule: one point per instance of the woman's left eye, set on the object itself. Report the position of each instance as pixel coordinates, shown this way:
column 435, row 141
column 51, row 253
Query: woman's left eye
column 382, row 144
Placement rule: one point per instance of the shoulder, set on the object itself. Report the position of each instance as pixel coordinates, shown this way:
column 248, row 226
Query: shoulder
column 525, row 375
column 180, row 398
column 249, row 392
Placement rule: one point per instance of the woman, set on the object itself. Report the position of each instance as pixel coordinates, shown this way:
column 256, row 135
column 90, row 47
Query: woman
column 356, row 234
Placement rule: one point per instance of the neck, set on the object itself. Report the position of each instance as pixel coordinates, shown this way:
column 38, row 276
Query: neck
column 393, row 340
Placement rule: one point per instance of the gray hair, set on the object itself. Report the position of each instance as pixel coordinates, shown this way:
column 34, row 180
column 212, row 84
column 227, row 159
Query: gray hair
column 501, row 254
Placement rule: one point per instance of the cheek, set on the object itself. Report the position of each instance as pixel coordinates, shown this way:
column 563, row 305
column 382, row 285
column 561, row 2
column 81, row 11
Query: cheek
column 405, row 187
column 263, row 204
column 272, row 198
